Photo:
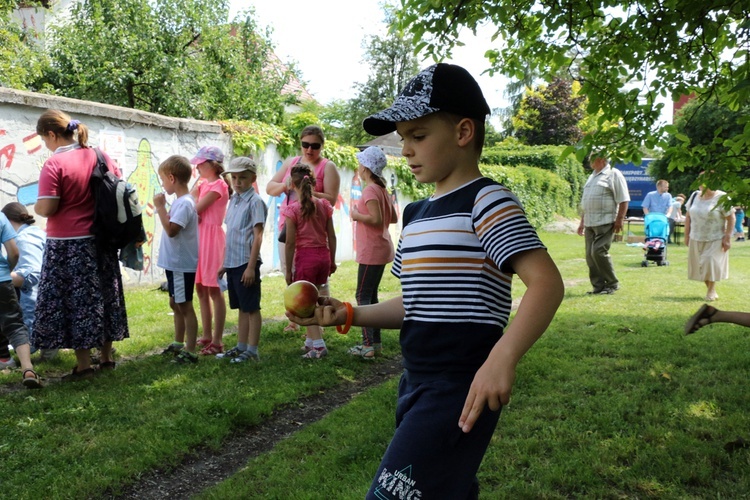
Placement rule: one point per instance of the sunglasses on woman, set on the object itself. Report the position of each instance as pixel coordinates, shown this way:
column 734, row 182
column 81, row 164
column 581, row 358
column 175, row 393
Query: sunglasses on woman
column 314, row 145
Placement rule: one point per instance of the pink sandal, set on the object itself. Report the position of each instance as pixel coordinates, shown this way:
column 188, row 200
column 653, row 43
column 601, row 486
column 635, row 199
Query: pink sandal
column 212, row 349
column 203, row 342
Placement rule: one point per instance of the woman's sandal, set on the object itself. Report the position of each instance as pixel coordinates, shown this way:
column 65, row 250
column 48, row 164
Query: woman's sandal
column 33, row 382
column 76, row 375
column 705, row 312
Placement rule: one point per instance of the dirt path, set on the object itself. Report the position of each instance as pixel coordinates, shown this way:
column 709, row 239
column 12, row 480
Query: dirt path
column 204, row 468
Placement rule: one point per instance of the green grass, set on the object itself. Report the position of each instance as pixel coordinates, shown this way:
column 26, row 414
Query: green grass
column 612, row 402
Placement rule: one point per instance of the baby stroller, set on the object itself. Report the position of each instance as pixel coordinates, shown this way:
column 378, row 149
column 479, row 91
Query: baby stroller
column 656, row 228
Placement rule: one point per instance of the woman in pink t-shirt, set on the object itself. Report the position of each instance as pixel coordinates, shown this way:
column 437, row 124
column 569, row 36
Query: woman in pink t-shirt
column 211, row 194
column 310, row 249
column 372, row 215
column 81, row 304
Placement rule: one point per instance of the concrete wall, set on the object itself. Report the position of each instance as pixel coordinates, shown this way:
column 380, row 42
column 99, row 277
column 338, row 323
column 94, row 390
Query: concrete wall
column 139, row 142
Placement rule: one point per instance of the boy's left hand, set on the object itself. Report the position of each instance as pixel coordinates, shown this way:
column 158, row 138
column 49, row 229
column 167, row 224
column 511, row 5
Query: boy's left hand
column 491, row 387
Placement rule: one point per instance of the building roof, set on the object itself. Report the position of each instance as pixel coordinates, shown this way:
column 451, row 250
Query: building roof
column 389, row 143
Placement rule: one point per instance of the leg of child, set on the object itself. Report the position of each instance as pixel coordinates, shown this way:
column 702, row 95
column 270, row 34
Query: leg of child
column 204, row 301
column 254, row 324
column 190, row 322
column 179, row 322
column 220, row 314
column 429, row 456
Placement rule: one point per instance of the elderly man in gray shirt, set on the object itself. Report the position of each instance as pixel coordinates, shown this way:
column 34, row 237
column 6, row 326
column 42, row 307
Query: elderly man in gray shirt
column 603, row 207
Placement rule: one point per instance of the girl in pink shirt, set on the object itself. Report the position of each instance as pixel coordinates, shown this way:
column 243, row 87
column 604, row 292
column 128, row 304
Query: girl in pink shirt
column 211, row 194
column 310, row 245
column 372, row 214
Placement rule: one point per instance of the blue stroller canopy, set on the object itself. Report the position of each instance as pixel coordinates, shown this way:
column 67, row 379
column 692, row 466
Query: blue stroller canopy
column 656, row 226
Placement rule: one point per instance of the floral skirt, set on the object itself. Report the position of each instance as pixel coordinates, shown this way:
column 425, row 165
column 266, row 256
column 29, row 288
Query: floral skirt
column 81, row 303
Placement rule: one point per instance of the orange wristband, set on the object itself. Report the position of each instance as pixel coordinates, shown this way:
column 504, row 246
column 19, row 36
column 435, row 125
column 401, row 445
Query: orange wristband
column 349, row 319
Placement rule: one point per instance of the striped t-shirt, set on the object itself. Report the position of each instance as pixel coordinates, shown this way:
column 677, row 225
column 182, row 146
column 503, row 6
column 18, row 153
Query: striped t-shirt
column 452, row 263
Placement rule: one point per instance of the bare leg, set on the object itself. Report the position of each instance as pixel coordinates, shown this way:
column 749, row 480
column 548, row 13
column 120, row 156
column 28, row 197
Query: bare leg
column 204, row 299
column 179, row 322
column 190, row 321
column 711, row 291
column 255, row 321
column 220, row 314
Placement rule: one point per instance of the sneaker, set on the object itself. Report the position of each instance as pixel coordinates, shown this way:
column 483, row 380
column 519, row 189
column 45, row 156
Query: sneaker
column 245, row 356
column 230, row 354
column 315, row 353
column 593, row 292
column 173, row 349
column 7, row 363
column 185, row 358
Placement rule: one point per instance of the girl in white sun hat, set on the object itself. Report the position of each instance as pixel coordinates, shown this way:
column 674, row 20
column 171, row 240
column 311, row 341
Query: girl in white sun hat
column 372, row 215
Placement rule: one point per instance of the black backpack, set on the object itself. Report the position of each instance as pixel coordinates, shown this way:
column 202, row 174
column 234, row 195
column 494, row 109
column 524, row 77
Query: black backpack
column 117, row 212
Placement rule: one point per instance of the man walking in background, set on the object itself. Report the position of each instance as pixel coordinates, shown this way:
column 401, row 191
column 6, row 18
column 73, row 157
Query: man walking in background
column 603, row 206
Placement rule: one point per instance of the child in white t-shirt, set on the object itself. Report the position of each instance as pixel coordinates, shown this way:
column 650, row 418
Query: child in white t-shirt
column 178, row 254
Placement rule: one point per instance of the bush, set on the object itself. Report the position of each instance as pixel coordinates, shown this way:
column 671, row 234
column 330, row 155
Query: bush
column 511, row 154
column 542, row 193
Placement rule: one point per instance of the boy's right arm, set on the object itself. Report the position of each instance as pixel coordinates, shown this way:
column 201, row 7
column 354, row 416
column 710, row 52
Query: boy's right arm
column 160, row 204
column 331, row 312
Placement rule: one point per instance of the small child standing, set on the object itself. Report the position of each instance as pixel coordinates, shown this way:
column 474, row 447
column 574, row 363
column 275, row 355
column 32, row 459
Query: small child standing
column 12, row 328
column 31, row 241
column 178, row 254
column 373, row 214
column 211, row 193
column 456, row 258
column 246, row 217
column 310, row 245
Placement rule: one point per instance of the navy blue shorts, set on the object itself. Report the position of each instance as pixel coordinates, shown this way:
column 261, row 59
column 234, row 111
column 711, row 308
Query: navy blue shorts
column 244, row 298
column 180, row 286
column 430, row 456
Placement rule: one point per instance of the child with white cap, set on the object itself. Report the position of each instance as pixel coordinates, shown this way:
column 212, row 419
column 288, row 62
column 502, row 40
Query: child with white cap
column 246, row 217
column 372, row 214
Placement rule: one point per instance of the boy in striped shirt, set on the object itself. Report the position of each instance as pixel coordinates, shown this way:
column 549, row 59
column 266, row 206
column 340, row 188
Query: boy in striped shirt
column 456, row 256
column 246, row 216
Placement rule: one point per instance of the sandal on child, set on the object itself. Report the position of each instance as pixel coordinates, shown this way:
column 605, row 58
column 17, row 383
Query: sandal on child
column 212, row 349
column 705, row 312
column 33, row 382
column 363, row 351
column 291, row 327
column 203, row 342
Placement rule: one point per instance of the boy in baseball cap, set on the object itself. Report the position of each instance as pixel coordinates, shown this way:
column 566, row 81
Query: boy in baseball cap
column 456, row 258
column 245, row 219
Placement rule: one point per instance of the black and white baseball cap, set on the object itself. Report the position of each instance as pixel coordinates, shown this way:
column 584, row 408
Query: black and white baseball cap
column 441, row 87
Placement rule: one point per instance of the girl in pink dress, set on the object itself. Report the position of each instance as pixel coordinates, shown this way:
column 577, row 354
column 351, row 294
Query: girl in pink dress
column 211, row 193
column 310, row 245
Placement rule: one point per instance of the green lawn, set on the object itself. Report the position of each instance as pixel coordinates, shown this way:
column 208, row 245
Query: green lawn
column 612, row 402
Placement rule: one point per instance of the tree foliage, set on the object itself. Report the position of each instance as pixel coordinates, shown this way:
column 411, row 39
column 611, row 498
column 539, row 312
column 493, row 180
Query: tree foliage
column 550, row 114
column 701, row 122
column 627, row 55
column 173, row 57
column 21, row 60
